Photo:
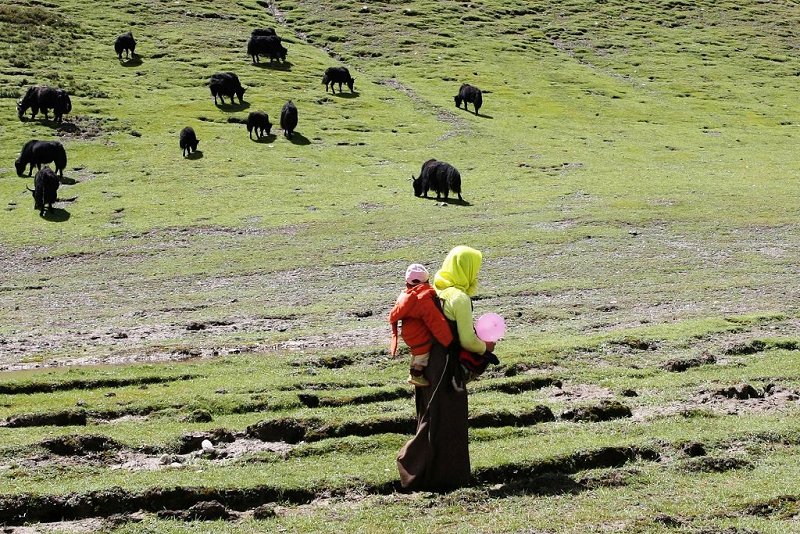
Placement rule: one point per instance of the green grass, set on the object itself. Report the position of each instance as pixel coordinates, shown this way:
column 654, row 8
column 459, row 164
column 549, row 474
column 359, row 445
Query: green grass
column 631, row 181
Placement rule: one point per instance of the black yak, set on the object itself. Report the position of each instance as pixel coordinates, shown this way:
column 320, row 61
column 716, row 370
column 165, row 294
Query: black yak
column 258, row 121
column 266, row 45
column 289, row 118
column 40, row 152
column 188, row 141
column 262, row 32
column 437, row 176
column 338, row 75
column 125, row 43
column 224, row 84
column 45, row 189
column 471, row 94
column 42, row 97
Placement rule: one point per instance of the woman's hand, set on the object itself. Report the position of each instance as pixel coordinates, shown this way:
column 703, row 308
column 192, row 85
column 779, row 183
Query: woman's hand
column 490, row 346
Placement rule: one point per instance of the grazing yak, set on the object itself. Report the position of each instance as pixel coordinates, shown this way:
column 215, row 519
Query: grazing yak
column 40, row 152
column 471, row 94
column 438, row 176
column 42, row 97
column 189, row 141
column 224, row 84
column 125, row 43
column 266, row 45
column 338, row 75
column 289, row 118
column 45, row 189
column 263, row 32
column 258, row 121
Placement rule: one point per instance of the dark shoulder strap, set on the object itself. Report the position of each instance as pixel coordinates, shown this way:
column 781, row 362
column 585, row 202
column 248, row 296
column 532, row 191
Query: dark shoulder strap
column 438, row 301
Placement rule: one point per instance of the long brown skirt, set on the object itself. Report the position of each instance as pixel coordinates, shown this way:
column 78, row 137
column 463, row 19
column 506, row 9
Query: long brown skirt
column 437, row 457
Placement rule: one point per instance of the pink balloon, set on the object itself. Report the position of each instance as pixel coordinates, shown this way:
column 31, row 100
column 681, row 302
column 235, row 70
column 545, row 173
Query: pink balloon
column 490, row 327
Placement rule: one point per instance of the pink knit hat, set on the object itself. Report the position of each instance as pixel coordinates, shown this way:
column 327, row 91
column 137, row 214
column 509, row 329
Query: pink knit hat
column 416, row 274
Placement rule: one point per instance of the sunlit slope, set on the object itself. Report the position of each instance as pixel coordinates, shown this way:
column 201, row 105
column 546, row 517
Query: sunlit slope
column 655, row 110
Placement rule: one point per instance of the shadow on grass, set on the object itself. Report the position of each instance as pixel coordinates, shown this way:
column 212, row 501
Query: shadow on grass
column 285, row 66
column 481, row 115
column 299, row 139
column 453, row 201
column 134, row 61
column 66, row 180
column 224, row 106
column 545, row 484
column 354, row 94
column 197, row 154
column 269, row 138
column 56, row 215
column 51, row 123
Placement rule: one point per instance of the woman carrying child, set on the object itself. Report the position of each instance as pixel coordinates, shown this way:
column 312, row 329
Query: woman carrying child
column 437, row 457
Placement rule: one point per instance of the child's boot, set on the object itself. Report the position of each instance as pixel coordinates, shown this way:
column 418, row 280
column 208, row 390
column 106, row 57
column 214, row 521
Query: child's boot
column 416, row 378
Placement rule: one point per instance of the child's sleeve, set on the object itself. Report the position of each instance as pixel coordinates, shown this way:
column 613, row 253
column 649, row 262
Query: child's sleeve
column 394, row 317
column 396, row 313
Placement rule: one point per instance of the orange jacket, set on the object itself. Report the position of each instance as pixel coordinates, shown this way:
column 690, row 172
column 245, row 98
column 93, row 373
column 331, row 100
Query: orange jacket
column 422, row 318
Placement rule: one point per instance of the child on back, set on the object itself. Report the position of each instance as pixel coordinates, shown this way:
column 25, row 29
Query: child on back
column 421, row 321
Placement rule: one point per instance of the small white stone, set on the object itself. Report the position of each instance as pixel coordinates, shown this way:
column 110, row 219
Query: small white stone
column 207, row 445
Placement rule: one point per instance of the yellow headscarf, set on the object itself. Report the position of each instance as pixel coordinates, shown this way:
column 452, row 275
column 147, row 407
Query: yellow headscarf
column 460, row 270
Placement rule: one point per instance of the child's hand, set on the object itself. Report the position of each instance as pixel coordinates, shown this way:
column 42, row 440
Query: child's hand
column 490, row 346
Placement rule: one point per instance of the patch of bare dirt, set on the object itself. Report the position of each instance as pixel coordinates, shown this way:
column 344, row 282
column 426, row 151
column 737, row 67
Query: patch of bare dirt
column 646, row 413
column 678, row 365
column 101, row 451
column 79, row 526
column 222, row 453
column 398, row 86
column 580, row 392
column 458, row 126
column 364, row 337
column 726, row 400
column 605, row 410
column 82, row 127
column 745, row 398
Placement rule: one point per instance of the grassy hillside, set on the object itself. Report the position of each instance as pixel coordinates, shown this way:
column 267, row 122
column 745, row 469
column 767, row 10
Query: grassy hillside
column 631, row 179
